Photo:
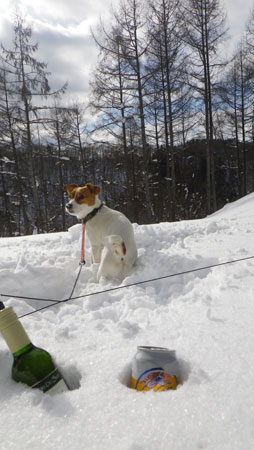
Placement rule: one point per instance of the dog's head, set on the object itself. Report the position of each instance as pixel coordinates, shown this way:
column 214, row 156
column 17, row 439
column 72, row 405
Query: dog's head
column 82, row 199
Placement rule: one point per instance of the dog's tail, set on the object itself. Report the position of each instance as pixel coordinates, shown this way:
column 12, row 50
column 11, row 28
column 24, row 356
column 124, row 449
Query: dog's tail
column 116, row 244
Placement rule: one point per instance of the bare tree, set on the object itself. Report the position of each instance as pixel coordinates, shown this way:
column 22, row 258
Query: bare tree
column 119, row 82
column 228, row 91
column 29, row 81
column 168, row 57
column 78, row 132
column 204, row 28
column 110, row 97
column 131, row 19
column 10, row 136
column 249, row 35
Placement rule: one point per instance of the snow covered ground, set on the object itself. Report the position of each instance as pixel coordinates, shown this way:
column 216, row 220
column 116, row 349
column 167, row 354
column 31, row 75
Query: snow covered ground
column 206, row 316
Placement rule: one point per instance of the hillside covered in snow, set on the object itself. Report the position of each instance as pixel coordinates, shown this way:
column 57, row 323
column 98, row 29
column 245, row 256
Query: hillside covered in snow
column 205, row 315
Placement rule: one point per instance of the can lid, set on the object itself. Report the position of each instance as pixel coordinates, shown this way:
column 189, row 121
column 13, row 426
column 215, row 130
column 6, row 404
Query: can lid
column 154, row 349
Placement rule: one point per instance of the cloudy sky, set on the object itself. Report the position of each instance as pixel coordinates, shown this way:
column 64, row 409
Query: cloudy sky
column 62, row 29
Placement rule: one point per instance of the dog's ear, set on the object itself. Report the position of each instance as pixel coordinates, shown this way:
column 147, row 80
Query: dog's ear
column 93, row 189
column 69, row 188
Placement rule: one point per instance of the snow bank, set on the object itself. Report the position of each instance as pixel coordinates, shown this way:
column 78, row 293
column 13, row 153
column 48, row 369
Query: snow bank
column 206, row 316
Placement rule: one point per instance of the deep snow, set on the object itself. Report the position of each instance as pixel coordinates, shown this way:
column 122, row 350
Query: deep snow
column 206, row 316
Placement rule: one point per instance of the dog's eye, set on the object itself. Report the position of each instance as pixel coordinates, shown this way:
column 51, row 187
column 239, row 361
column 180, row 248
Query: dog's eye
column 81, row 197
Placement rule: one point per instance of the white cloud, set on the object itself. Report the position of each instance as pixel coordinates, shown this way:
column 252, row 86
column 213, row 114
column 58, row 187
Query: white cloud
column 62, row 29
column 238, row 12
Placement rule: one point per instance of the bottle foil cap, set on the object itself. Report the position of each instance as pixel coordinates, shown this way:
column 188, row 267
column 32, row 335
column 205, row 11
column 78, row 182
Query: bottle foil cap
column 12, row 330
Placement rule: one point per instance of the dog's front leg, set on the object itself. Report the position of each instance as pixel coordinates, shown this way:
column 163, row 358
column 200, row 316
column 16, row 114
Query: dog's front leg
column 96, row 254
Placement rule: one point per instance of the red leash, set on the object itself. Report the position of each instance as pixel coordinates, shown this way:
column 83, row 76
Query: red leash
column 88, row 217
column 82, row 256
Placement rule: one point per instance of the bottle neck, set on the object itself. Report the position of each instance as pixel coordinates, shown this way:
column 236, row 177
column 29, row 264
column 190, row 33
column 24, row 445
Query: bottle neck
column 22, row 350
column 13, row 332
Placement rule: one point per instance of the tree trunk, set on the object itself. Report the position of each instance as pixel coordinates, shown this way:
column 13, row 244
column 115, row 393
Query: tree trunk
column 146, row 156
column 27, row 228
column 243, row 127
column 60, row 175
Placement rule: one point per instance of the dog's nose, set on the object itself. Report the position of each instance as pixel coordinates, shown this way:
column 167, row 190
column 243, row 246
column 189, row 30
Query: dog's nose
column 68, row 206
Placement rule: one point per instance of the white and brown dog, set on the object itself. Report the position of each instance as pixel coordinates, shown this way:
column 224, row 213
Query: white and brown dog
column 110, row 233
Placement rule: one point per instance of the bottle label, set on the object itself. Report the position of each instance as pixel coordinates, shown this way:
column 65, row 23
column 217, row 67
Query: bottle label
column 154, row 379
column 52, row 384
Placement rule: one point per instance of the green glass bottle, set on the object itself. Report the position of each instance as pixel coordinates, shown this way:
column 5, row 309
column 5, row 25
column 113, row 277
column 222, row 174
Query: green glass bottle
column 32, row 365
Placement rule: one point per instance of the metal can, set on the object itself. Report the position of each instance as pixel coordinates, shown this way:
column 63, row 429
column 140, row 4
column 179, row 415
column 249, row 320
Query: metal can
column 154, row 368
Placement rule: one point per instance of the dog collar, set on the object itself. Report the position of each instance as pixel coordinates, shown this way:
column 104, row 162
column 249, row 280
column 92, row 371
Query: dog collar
column 92, row 213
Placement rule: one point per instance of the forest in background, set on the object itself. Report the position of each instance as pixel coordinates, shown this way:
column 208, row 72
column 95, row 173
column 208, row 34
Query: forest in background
column 172, row 135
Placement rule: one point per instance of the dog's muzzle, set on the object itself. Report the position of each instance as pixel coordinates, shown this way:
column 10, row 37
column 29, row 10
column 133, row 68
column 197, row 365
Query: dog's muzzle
column 68, row 207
